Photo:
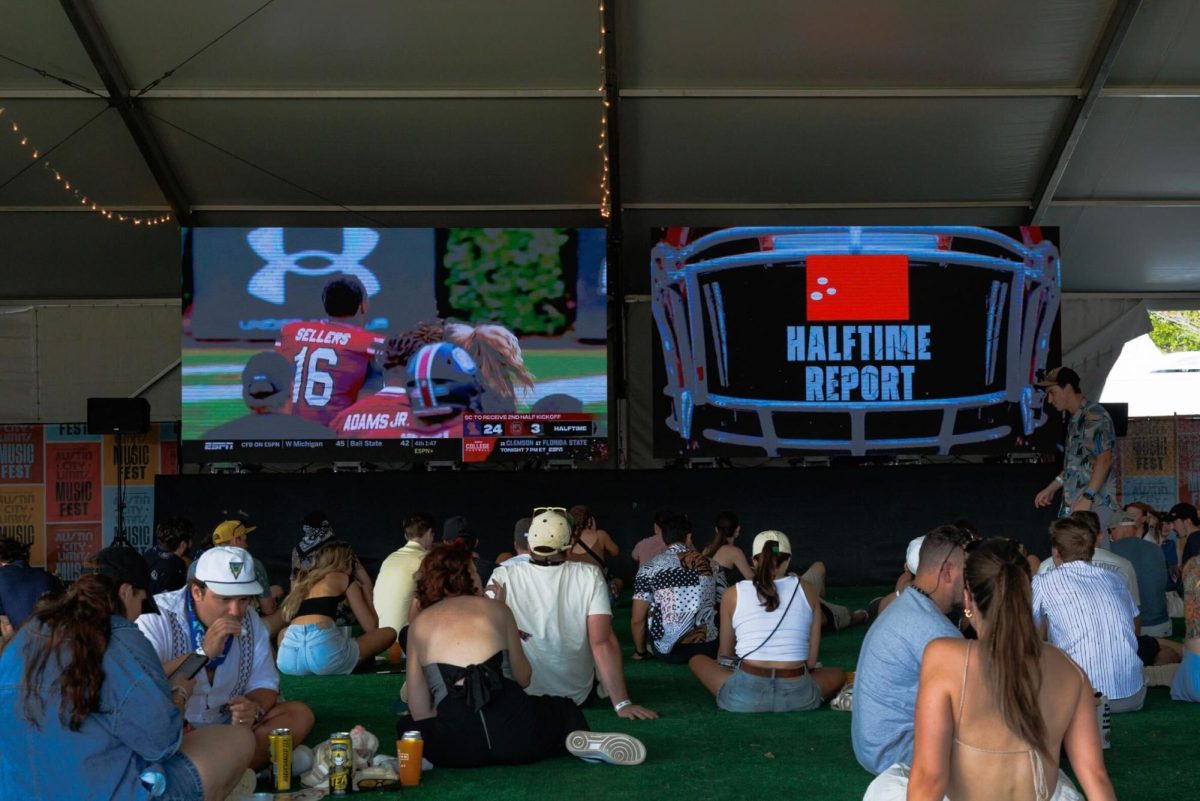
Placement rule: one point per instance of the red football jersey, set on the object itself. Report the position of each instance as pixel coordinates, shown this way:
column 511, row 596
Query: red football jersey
column 420, row 429
column 332, row 361
column 384, row 415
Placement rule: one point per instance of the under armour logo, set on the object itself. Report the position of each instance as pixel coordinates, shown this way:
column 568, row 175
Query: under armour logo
column 268, row 283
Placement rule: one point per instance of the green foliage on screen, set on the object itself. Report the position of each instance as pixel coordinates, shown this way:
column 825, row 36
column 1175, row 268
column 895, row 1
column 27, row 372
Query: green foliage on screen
column 1175, row 331
column 509, row 276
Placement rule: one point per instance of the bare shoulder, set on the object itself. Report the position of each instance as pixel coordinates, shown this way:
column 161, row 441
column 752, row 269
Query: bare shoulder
column 945, row 653
column 1060, row 669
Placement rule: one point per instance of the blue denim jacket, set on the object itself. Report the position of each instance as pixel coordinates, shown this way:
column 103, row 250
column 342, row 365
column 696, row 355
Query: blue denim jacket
column 135, row 725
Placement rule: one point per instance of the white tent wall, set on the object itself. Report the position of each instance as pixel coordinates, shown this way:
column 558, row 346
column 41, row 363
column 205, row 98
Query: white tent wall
column 56, row 355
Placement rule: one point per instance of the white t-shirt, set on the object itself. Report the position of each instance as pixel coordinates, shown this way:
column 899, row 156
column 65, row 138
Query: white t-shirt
column 1109, row 561
column 396, row 584
column 552, row 604
column 248, row 666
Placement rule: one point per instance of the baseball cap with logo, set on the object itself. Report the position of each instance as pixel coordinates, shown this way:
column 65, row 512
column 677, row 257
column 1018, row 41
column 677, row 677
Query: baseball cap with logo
column 912, row 557
column 229, row 530
column 267, row 379
column 763, row 538
column 549, row 531
column 124, row 566
column 228, row 571
column 1122, row 519
column 1059, row 377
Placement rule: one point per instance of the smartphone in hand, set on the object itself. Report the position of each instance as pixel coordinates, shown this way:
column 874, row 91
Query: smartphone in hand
column 190, row 666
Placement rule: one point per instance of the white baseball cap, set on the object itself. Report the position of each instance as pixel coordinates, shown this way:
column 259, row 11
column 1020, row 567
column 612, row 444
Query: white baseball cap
column 549, row 531
column 228, row 571
column 778, row 537
column 912, row 557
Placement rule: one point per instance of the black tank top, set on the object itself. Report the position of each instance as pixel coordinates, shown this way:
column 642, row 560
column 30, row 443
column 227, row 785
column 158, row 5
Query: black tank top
column 326, row 605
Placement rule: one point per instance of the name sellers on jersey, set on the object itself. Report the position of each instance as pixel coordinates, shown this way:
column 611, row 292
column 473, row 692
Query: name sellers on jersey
column 817, row 346
column 322, row 337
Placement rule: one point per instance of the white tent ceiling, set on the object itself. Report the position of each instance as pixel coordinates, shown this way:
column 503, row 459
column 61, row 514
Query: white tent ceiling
column 448, row 112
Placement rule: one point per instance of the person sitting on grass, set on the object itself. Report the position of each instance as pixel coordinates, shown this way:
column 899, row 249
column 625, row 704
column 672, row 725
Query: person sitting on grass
column 1186, row 686
column 993, row 715
column 462, row 651
column 769, row 623
column 1087, row 611
column 593, row 544
column 889, row 663
column 86, row 709
column 723, row 550
column 313, row 644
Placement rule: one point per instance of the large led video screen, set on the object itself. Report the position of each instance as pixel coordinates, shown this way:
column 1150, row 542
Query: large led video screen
column 856, row 341
column 394, row 344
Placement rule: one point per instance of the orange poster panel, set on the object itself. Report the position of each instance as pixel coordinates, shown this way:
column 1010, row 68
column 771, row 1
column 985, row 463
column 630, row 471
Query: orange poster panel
column 73, row 490
column 138, row 459
column 21, row 454
column 22, row 517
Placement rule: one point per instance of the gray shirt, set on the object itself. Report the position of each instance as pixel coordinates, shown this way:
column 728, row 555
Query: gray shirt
column 1150, row 566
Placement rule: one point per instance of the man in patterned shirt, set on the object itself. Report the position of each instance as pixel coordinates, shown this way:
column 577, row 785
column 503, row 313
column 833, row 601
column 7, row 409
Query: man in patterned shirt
column 675, row 598
column 1186, row 686
column 1087, row 480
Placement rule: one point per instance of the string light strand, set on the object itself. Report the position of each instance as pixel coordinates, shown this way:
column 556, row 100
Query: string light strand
column 64, row 183
column 605, row 195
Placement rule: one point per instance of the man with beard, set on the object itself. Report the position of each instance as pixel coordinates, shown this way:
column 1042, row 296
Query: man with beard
column 889, row 665
column 675, row 599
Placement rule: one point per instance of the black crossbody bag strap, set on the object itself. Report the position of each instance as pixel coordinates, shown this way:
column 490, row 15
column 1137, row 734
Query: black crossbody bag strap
column 777, row 625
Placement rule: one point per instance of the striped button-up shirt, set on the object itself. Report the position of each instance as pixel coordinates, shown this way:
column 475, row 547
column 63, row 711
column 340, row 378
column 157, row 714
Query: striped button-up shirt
column 1090, row 615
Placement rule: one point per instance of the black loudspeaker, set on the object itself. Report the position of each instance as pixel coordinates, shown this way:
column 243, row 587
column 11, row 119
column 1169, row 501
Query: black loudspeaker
column 118, row 415
column 1119, row 412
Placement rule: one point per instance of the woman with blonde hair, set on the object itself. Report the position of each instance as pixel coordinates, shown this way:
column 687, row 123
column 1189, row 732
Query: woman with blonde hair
column 993, row 715
column 497, row 355
column 312, row 643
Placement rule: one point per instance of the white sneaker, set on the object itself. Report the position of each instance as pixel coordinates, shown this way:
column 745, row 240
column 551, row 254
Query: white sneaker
column 614, row 748
column 844, row 700
column 244, row 788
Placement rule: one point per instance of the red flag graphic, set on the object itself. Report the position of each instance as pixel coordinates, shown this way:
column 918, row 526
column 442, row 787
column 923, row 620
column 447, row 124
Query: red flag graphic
column 858, row 288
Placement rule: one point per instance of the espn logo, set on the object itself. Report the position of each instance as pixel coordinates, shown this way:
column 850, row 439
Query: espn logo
column 218, row 446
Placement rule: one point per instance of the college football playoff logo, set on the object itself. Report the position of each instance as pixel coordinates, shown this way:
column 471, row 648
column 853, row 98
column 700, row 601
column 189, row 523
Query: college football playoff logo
column 269, row 282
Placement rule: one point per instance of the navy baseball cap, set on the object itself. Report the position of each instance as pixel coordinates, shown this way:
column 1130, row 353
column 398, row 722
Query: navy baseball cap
column 124, row 565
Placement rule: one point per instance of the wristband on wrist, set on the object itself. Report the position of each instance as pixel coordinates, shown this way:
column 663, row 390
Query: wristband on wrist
column 181, row 690
column 1058, row 479
column 622, row 705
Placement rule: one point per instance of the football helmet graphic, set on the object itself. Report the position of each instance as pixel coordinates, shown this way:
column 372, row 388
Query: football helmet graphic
column 441, row 379
column 724, row 303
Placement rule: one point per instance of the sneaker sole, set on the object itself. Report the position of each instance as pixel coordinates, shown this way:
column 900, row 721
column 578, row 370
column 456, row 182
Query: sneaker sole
column 611, row 747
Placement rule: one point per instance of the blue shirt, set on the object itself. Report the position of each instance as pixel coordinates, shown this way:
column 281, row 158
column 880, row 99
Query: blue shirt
column 20, row 588
column 885, row 684
column 1150, row 566
column 136, row 724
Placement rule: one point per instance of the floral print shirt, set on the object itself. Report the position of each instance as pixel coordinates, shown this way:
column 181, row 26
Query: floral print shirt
column 1089, row 433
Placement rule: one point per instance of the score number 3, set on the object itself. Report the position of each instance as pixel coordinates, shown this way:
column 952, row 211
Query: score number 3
column 311, row 375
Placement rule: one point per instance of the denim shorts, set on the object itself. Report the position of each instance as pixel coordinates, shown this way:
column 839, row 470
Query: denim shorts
column 743, row 692
column 310, row 650
column 183, row 780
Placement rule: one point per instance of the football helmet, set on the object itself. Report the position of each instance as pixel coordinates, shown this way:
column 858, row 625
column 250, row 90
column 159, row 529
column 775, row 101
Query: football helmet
column 441, row 379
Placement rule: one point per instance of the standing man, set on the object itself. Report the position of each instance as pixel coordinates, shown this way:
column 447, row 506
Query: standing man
column 1087, row 479
column 1185, row 522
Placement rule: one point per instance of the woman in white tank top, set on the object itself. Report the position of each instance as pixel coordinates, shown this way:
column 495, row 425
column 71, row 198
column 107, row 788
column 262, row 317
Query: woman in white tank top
column 770, row 640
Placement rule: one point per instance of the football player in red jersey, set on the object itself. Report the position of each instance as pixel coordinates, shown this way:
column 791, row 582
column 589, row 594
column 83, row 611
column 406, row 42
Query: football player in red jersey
column 334, row 356
column 442, row 383
column 385, row 415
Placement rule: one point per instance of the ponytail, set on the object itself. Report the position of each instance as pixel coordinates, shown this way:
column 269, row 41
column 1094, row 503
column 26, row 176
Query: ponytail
column 79, row 626
column 724, row 530
column 765, row 564
column 999, row 579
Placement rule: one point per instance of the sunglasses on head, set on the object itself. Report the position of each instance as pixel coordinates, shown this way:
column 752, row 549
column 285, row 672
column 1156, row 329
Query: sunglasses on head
column 539, row 509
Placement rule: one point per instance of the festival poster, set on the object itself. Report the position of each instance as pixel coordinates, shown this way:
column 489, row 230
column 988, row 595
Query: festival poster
column 1149, row 447
column 1158, row 491
column 139, row 515
column 23, row 517
column 1188, row 439
column 21, row 454
column 73, row 482
column 68, row 545
column 69, row 432
column 138, row 459
column 168, row 449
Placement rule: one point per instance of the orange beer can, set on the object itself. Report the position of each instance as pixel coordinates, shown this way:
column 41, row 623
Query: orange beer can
column 409, row 749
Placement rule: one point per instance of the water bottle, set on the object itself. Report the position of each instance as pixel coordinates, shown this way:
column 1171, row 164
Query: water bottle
column 154, row 780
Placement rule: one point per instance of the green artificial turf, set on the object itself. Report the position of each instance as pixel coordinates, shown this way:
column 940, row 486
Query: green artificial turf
column 697, row 752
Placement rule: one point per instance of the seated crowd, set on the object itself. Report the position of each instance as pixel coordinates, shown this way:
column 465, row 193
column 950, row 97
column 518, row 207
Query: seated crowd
column 974, row 677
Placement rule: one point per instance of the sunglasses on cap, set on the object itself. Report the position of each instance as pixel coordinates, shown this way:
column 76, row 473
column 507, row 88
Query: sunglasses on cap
column 538, row 509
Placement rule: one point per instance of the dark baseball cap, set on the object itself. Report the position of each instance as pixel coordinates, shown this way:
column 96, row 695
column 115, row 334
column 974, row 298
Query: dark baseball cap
column 1180, row 511
column 124, row 566
column 454, row 527
column 1059, row 377
column 266, row 376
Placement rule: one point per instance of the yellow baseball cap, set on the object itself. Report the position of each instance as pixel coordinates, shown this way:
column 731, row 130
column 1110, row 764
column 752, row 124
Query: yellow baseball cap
column 226, row 531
